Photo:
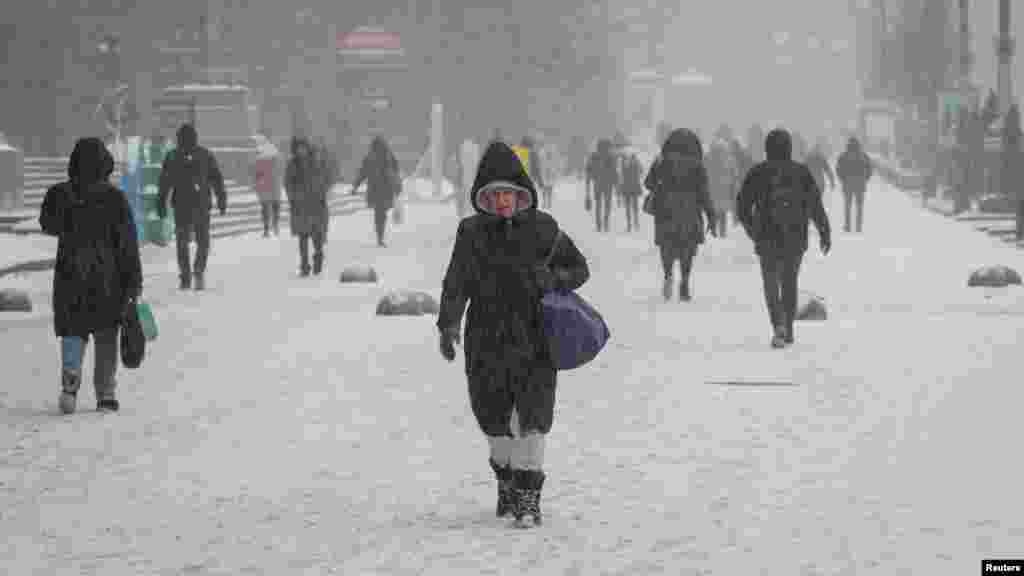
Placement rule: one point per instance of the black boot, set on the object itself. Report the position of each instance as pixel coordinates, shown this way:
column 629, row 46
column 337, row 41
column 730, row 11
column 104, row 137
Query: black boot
column 318, row 263
column 528, row 488
column 185, row 282
column 70, row 382
column 684, row 290
column 666, row 288
column 506, row 489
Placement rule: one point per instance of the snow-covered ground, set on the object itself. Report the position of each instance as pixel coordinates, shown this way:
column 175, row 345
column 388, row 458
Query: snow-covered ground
column 278, row 427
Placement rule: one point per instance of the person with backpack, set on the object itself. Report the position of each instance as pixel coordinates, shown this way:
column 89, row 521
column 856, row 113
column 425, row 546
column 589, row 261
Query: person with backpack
column 98, row 274
column 632, row 187
column 601, row 181
column 306, row 185
column 383, row 183
column 854, row 170
column 191, row 175
column 777, row 199
column 723, row 180
column 505, row 258
column 680, row 204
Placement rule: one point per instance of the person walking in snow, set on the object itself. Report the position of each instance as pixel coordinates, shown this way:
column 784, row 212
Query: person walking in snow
column 777, row 199
column 601, row 181
column 678, row 183
column 817, row 162
column 192, row 174
column 497, row 267
column 266, row 181
column 383, row 183
column 98, row 274
column 854, row 170
column 723, row 180
column 305, row 183
column 632, row 186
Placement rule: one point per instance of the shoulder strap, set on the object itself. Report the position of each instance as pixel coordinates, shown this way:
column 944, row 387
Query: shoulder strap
column 554, row 245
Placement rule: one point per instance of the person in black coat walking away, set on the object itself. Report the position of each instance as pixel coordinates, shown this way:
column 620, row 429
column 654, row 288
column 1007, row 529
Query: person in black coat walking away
column 497, row 267
column 383, row 183
column 777, row 199
column 98, row 273
column 306, row 185
column 681, row 206
column 601, row 182
column 192, row 174
column 854, row 170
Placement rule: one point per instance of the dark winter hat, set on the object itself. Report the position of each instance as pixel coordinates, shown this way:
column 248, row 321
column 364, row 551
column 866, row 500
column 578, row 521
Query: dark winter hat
column 684, row 142
column 90, row 161
column 187, row 137
column 500, row 168
column 778, row 145
column 853, row 143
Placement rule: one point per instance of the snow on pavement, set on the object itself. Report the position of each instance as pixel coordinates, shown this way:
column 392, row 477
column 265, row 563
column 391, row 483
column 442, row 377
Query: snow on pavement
column 279, row 427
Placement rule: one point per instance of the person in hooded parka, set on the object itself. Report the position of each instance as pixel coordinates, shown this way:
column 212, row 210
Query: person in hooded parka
column 98, row 273
column 682, row 206
column 380, row 171
column 497, row 267
column 306, row 186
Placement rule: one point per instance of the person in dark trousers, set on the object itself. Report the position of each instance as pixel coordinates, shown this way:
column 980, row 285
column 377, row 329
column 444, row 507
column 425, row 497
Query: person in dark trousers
column 682, row 207
column 777, row 199
column 497, row 267
column 601, row 182
column 305, row 184
column 631, row 188
column 98, row 273
column 820, row 168
column 191, row 174
column 266, row 181
column 383, row 183
column 723, row 179
column 854, row 170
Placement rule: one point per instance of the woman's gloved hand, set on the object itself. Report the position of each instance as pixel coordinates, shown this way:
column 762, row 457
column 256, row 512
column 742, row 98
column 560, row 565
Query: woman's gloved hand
column 449, row 337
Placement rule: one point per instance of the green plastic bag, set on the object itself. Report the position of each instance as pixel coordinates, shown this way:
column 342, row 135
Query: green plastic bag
column 147, row 320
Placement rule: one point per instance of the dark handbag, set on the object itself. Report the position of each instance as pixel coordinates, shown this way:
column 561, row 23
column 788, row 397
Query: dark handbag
column 133, row 339
column 575, row 330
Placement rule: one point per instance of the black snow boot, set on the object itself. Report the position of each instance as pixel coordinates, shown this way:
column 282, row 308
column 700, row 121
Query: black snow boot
column 666, row 288
column 70, row 382
column 528, row 488
column 318, row 263
column 684, row 290
column 506, row 489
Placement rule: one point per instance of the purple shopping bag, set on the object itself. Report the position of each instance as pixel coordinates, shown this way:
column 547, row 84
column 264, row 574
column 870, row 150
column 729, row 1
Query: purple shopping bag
column 575, row 330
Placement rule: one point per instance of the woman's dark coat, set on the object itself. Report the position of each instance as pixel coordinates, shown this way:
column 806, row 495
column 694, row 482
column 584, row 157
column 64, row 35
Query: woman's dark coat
column 377, row 169
column 98, row 270
column 191, row 176
column 492, row 269
column 305, row 183
column 678, row 182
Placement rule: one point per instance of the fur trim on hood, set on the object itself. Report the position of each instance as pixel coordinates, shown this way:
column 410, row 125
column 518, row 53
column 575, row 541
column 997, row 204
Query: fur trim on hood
column 500, row 168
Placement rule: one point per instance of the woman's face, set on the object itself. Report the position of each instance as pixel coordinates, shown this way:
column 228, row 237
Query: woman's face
column 505, row 202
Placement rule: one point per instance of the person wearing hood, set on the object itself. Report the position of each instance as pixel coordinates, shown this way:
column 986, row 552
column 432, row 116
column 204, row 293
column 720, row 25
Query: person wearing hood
column 191, row 175
column 854, row 170
column 777, row 199
column 265, row 174
column 497, row 267
column 681, row 206
column 723, row 179
column 98, row 273
column 601, row 182
column 383, row 183
column 305, row 184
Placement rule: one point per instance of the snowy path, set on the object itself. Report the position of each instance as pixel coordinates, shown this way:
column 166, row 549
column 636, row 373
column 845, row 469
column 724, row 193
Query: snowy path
column 278, row 427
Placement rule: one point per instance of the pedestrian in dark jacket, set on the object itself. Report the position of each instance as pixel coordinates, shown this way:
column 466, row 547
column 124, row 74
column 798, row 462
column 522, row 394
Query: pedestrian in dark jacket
column 632, row 187
column 383, row 183
column 98, row 273
column 601, row 182
column 820, row 168
column 305, row 184
column 854, row 170
column 777, row 199
column 682, row 207
column 497, row 267
column 191, row 175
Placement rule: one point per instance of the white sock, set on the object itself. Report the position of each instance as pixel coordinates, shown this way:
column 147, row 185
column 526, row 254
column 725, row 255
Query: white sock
column 502, row 448
column 529, row 452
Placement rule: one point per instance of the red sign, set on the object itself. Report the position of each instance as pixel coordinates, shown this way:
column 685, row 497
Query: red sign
column 369, row 39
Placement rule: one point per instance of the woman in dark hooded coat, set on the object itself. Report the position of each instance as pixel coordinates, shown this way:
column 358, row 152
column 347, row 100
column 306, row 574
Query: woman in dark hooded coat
column 682, row 206
column 497, row 268
column 98, row 273
column 306, row 185
column 383, row 184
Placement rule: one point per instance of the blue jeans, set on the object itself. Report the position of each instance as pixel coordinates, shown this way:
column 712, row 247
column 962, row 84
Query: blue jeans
column 72, row 350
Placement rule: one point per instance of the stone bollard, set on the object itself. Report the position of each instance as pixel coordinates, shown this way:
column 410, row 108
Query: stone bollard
column 407, row 303
column 994, row 277
column 12, row 300
column 358, row 274
column 810, row 307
